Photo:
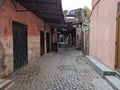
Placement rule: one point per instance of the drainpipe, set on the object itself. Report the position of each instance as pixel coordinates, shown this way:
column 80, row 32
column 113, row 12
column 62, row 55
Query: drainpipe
column 94, row 7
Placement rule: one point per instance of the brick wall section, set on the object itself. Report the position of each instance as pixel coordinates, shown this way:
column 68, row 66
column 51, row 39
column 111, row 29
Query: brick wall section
column 103, row 31
column 35, row 24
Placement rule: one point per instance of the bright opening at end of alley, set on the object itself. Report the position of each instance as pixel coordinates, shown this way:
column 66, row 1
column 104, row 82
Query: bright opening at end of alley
column 75, row 4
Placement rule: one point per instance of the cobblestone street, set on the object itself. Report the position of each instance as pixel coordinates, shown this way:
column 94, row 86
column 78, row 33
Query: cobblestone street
column 65, row 70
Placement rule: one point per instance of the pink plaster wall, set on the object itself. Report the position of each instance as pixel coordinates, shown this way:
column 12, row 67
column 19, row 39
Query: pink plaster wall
column 35, row 24
column 103, row 31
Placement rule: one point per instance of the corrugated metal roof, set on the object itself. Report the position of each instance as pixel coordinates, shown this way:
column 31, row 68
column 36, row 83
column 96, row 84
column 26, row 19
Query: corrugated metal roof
column 73, row 13
column 48, row 10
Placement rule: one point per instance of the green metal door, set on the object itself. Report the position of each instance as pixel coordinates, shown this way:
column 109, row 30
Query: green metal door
column 20, row 45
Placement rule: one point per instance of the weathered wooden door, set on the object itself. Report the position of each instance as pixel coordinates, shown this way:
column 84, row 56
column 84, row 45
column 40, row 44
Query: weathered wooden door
column 20, row 45
column 42, row 43
column 52, row 41
column 48, row 42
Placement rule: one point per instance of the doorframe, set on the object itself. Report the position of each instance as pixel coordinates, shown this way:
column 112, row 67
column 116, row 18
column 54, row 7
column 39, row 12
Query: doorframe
column 116, row 43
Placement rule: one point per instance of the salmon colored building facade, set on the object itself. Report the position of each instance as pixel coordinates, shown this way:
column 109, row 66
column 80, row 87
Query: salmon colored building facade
column 103, row 32
column 33, row 25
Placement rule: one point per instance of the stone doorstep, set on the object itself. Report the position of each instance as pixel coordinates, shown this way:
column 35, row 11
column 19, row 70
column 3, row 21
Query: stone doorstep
column 113, row 81
column 4, row 83
column 100, row 84
column 111, row 76
column 117, row 74
column 99, row 67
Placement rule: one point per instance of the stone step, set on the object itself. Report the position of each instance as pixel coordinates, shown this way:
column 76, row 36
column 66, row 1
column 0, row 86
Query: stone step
column 117, row 74
column 4, row 84
column 100, row 84
column 113, row 81
column 99, row 67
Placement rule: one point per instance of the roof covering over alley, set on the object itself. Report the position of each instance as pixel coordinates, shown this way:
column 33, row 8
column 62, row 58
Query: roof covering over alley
column 48, row 10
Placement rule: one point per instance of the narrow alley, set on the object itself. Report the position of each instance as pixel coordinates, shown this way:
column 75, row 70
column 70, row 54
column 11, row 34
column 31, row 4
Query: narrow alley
column 59, row 45
column 65, row 70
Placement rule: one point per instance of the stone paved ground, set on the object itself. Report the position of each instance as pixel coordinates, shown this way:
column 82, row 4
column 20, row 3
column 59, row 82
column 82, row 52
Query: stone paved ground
column 65, row 70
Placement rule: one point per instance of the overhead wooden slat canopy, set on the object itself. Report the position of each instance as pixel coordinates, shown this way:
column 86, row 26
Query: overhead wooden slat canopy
column 48, row 10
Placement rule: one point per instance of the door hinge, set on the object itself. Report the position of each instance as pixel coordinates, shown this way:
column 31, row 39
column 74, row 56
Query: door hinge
column 116, row 18
column 115, row 42
column 116, row 66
